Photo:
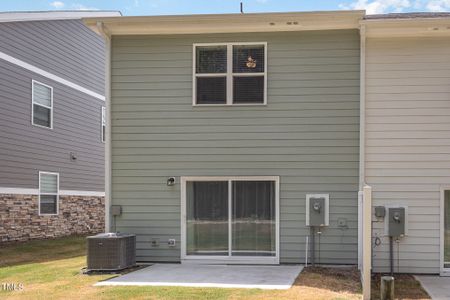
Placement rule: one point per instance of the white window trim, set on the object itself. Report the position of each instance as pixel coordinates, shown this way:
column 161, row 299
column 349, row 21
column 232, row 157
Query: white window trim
column 33, row 82
column 103, row 124
column 57, row 193
column 229, row 74
column 198, row 259
column 443, row 271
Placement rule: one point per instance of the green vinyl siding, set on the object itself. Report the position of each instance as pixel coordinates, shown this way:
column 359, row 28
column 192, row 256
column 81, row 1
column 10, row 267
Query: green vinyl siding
column 307, row 134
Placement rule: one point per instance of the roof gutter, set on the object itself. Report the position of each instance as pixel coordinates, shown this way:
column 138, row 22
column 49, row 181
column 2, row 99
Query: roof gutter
column 229, row 23
column 24, row 16
column 407, row 27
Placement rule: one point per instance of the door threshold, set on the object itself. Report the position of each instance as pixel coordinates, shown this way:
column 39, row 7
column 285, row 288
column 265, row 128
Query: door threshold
column 244, row 261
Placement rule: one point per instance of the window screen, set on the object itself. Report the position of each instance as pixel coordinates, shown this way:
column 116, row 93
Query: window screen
column 42, row 104
column 103, row 129
column 212, row 59
column 48, row 193
column 243, row 82
column 211, row 90
column 248, row 89
column 248, row 59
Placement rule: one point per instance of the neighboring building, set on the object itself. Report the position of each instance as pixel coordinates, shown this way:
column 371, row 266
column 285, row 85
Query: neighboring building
column 52, row 141
column 407, row 129
column 248, row 124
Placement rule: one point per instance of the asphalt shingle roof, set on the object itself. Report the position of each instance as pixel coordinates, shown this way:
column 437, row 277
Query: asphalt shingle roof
column 415, row 15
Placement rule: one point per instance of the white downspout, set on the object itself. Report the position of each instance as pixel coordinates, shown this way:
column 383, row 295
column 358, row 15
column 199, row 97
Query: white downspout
column 365, row 192
column 107, row 38
column 362, row 128
column 362, row 107
column 362, row 121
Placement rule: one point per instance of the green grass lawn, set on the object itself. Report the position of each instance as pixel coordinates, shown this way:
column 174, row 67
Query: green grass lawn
column 51, row 270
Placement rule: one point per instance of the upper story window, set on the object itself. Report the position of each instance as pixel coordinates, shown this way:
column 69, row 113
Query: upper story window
column 230, row 74
column 42, row 99
column 103, row 129
column 48, row 193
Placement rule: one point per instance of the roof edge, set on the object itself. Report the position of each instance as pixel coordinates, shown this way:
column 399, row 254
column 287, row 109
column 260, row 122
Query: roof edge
column 407, row 16
column 222, row 23
column 23, row 16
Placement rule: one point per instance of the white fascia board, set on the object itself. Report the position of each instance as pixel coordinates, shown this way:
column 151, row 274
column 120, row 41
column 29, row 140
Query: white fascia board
column 425, row 27
column 54, row 15
column 228, row 23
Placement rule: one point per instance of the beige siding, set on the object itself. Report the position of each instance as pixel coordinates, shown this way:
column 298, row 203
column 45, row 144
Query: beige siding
column 408, row 142
column 307, row 134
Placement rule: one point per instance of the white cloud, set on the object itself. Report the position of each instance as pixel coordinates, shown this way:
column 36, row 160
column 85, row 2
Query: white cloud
column 438, row 5
column 418, row 4
column 78, row 6
column 388, row 6
column 57, row 4
column 379, row 6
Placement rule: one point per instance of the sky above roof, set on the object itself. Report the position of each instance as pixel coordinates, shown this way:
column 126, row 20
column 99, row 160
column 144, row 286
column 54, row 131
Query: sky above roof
column 167, row 7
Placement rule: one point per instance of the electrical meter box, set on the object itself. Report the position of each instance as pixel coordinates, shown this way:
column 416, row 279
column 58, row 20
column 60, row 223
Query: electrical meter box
column 396, row 224
column 380, row 211
column 116, row 210
column 317, row 210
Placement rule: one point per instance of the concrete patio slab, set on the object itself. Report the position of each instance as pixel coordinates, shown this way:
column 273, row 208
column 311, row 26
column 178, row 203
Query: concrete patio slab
column 437, row 287
column 222, row 276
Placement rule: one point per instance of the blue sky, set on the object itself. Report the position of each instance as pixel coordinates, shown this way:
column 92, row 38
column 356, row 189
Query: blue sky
column 164, row 7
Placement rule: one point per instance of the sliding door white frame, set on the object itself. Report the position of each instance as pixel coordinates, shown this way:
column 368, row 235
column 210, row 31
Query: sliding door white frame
column 443, row 270
column 198, row 259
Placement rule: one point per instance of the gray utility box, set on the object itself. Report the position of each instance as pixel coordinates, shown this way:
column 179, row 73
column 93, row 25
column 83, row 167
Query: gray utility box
column 317, row 211
column 396, row 221
column 111, row 251
column 317, row 206
column 380, row 211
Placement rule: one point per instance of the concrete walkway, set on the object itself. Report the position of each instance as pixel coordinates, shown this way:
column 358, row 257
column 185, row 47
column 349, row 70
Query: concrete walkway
column 437, row 287
column 223, row 276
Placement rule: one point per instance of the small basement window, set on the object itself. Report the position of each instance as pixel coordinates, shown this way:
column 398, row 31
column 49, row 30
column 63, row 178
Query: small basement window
column 42, row 110
column 230, row 74
column 48, row 193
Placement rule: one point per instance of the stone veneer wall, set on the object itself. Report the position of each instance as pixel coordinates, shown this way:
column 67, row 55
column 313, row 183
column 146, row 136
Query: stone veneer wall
column 20, row 219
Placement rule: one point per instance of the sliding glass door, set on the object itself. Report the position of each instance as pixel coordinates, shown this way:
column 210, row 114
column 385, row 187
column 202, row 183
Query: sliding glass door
column 207, row 218
column 253, row 218
column 230, row 218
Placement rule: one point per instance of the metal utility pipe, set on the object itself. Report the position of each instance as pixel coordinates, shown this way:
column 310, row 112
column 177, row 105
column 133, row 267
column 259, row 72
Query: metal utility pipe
column 306, row 251
column 313, row 247
column 391, row 254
